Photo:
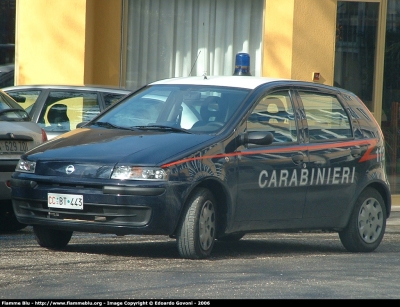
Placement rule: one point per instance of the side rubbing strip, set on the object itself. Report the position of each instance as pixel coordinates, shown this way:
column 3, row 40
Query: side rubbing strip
column 133, row 191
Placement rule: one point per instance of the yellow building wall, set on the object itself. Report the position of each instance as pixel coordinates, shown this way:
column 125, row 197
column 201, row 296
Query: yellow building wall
column 68, row 42
column 79, row 41
column 50, row 41
column 104, row 48
column 299, row 39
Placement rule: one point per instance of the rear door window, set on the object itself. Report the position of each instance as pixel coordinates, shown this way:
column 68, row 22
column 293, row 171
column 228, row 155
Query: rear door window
column 63, row 110
column 326, row 117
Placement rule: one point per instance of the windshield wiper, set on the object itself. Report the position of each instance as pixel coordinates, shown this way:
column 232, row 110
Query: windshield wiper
column 110, row 126
column 162, row 127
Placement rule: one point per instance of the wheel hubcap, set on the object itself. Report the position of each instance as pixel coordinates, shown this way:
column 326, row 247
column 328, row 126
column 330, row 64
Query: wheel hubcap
column 207, row 225
column 370, row 220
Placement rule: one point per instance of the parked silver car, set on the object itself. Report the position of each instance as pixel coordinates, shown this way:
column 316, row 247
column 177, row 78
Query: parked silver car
column 59, row 109
column 18, row 134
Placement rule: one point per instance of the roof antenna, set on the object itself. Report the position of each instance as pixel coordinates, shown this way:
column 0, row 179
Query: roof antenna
column 194, row 62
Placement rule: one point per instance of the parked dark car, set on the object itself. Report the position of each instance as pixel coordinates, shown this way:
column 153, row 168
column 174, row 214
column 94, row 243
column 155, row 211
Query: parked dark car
column 58, row 109
column 17, row 135
column 205, row 158
column 7, row 75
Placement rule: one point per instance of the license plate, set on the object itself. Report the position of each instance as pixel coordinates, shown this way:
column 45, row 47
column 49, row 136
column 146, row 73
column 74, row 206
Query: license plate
column 14, row 146
column 65, row 201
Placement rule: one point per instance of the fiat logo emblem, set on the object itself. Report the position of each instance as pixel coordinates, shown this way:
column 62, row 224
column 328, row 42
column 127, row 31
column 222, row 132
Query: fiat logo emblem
column 69, row 169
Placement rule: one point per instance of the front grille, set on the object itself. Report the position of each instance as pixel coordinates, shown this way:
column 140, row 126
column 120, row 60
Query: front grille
column 95, row 213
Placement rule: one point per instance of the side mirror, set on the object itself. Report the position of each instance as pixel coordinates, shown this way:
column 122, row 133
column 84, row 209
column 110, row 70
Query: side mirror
column 256, row 137
column 18, row 98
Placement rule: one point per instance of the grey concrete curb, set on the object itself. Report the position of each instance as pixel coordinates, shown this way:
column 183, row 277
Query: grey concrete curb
column 393, row 222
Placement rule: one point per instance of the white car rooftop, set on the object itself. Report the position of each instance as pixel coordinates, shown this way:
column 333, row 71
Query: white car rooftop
column 249, row 82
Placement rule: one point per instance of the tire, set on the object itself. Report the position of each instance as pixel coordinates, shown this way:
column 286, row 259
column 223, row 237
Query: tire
column 51, row 238
column 367, row 223
column 8, row 220
column 197, row 230
column 232, row 237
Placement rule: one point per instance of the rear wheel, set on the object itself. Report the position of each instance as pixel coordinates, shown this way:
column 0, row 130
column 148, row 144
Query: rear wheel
column 197, row 231
column 51, row 238
column 367, row 223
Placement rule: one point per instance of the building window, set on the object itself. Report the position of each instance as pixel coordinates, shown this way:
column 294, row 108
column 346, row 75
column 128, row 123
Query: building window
column 179, row 38
column 391, row 95
column 7, row 31
column 355, row 50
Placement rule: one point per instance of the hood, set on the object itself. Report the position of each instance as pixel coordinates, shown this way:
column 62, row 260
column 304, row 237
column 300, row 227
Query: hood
column 111, row 146
column 93, row 152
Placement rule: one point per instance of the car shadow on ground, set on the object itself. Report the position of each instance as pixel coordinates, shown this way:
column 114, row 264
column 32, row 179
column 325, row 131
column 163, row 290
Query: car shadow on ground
column 269, row 244
column 260, row 245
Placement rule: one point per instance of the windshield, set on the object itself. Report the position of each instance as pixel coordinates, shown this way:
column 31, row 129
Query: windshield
column 189, row 108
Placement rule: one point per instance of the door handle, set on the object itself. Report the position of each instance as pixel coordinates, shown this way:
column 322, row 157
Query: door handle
column 298, row 157
column 355, row 151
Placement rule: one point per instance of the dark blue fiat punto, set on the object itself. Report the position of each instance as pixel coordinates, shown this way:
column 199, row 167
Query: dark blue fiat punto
column 201, row 159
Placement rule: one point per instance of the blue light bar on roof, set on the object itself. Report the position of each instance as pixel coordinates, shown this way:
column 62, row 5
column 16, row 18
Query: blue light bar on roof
column 242, row 65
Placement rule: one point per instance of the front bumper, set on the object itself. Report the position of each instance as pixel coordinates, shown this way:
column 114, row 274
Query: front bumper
column 7, row 167
column 150, row 208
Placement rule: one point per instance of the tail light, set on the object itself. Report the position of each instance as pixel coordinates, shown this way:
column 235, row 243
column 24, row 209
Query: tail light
column 44, row 136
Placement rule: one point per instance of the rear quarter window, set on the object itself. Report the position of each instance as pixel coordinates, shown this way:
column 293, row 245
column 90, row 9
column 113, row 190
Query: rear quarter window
column 111, row 98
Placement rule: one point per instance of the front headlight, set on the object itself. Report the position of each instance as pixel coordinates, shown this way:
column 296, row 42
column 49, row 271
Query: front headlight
column 139, row 173
column 25, row 166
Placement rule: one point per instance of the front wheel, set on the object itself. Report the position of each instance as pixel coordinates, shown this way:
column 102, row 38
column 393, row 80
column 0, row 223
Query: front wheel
column 51, row 238
column 367, row 223
column 197, row 230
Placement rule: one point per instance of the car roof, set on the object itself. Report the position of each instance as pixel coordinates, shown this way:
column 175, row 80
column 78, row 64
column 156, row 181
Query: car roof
column 249, row 82
column 69, row 87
